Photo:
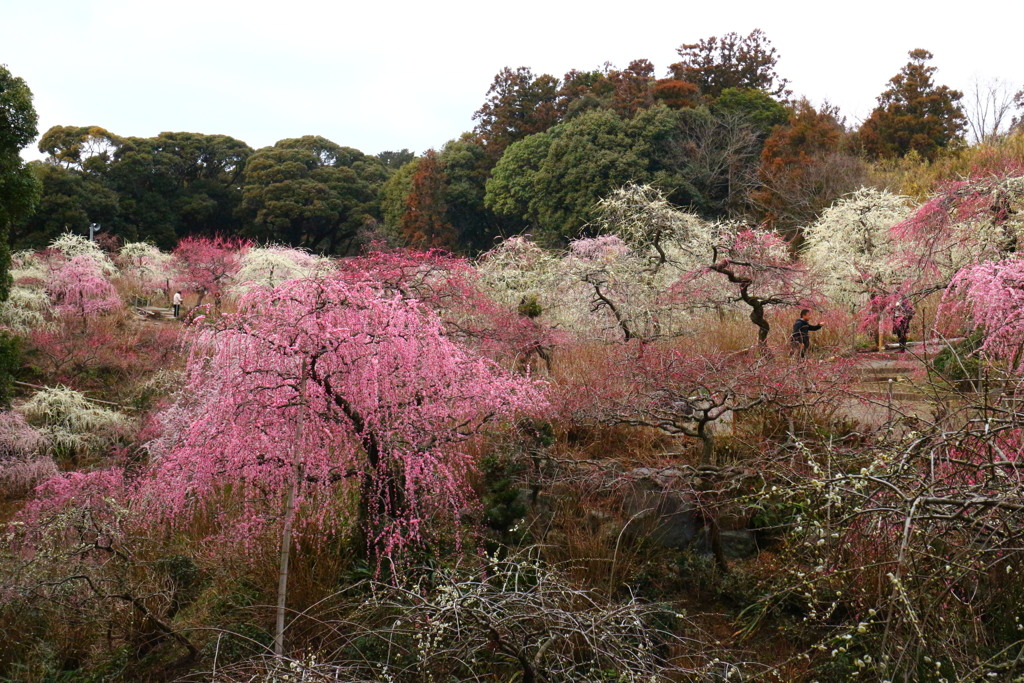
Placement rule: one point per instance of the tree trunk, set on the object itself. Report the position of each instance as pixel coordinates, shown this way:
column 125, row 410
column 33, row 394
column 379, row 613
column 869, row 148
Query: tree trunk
column 763, row 328
column 289, row 519
column 707, row 442
column 715, row 541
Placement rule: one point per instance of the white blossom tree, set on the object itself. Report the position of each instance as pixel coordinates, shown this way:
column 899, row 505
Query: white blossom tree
column 518, row 269
column 646, row 221
column 147, row 270
column 28, row 306
column 71, row 424
column 271, row 265
column 854, row 252
column 70, row 245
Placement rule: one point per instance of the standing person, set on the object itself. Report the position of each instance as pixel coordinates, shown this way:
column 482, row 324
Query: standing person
column 177, row 303
column 800, row 340
column 902, row 314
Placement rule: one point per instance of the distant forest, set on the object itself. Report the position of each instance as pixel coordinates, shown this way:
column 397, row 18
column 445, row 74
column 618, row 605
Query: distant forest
column 720, row 134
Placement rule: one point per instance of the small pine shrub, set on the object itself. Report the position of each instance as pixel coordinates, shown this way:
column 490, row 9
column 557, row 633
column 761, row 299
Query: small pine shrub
column 959, row 363
column 10, row 363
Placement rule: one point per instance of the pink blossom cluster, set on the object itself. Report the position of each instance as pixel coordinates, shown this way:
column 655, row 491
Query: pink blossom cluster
column 601, row 248
column 23, row 461
column 79, row 287
column 992, row 295
column 78, row 507
column 205, row 265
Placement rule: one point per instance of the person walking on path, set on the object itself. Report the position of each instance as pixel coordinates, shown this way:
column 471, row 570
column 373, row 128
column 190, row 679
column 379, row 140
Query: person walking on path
column 902, row 314
column 800, row 340
column 176, row 301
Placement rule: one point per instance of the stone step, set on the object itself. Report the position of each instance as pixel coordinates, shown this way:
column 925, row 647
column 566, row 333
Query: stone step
column 895, row 396
column 154, row 312
column 891, row 372
column 882, row 363
column 875, row 381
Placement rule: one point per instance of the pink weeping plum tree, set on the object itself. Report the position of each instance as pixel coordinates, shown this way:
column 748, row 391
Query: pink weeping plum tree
column 322, row 390
column 450, row 286
column 992, row 296
column 79, row 289
column 967, row 221
column 206, row 265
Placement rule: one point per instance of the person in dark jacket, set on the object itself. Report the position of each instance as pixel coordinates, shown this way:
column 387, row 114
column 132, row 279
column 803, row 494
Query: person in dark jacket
column 902, row 314
column 800, row 340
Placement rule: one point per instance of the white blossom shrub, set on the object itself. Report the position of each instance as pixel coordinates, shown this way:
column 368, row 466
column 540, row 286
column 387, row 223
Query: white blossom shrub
column 518, row 269
column 73, row 425
column 146, row 270
column 271, row 265
column 70, row 246
column 649, row 224
column 28, row 305
column 513, row 620
column 23, row 459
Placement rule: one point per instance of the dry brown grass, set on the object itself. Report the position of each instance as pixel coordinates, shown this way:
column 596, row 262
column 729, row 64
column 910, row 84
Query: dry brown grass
column 919, row 179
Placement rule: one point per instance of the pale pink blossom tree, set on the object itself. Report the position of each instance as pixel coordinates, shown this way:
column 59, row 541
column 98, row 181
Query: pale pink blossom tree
column 967, row 222
column 146, row 270
column 992, row 296
column 23, row 458
column 78, row 288
column 458, row 292
column 753, row 268
column 683, row 393
column 610, row 280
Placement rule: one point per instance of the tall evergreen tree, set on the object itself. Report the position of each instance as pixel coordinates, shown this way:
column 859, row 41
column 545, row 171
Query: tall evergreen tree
column 18, row 187
column 730, row 61
column 914, row 114
column 18, row 192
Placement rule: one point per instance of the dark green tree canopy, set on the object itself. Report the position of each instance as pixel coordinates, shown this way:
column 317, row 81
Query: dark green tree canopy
column 80, row 147
column 18, row 187
column 396, row 160
column 18, row 117
column 467, row 168
column 392, row 197
column 310, row 192
column 703, row 160
column 552, row 180
column 759, row 109
column 70, row 201
column 914, row 114
column 461, row 168
column 177, row 184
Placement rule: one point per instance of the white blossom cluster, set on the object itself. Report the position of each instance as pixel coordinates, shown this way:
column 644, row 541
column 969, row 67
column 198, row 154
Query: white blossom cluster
column 271, row 265
column 72, row 245
column 71, row 423
column 851, row 246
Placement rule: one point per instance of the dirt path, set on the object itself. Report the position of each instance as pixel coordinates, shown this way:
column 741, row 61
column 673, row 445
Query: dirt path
column 891, row 385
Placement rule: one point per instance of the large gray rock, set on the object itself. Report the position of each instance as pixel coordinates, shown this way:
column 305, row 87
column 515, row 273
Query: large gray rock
column 658, row 510
column 736, row 544
column 661, row 509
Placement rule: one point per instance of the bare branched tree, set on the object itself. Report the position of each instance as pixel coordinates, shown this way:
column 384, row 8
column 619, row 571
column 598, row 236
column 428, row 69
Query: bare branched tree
column 906, row 558
column 991, row 105
column 515, row 619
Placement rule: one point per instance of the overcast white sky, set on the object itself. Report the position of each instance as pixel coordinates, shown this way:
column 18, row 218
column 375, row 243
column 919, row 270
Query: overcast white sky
column 410, row 74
